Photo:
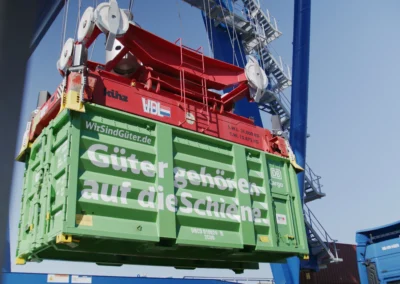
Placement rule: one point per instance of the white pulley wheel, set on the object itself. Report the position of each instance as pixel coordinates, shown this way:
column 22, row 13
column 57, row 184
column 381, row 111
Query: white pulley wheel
column 66, row 58
column 255, row 74
column 86, row 25
column 101, row 15
column 128, row 14
column 256, row 77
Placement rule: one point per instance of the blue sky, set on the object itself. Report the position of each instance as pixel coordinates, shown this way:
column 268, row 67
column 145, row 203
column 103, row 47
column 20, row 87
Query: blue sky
column 353, row 103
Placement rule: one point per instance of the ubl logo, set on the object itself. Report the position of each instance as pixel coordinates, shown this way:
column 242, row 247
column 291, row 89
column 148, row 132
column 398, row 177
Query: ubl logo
column 155, row 108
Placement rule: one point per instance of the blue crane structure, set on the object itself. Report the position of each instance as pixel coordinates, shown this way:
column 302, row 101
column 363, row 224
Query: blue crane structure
column 233, row 34
column 238, row 28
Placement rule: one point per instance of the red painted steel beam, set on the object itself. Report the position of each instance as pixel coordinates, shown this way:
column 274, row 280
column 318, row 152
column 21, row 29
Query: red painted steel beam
column 236, row 94
column 170, row 58
column 168, row 61
column 111, row 64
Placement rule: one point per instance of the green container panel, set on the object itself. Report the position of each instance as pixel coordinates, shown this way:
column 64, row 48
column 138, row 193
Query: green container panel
column 127, row 186
column 32, row 197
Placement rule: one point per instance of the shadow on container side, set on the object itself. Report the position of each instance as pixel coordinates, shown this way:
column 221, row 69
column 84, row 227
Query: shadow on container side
column 345, row 272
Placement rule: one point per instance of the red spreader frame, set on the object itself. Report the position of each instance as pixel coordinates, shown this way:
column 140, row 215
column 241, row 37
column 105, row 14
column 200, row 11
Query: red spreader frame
column 174, row 84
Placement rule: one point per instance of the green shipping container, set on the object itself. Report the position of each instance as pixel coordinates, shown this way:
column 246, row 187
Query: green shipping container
column 113, row 188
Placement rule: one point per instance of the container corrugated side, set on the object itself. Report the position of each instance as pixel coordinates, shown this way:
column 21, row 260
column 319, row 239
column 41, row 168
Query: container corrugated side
column 119, row 184
column 345, row 272
column 33, row 196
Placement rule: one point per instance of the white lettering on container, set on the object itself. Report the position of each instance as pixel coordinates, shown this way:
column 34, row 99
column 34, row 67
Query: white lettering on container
column 121, row 159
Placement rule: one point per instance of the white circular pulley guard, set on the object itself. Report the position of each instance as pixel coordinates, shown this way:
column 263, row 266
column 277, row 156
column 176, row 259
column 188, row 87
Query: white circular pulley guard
column 66, row 58
column 256, row 77
column 86, row 25
column 129, row 14
column 102, row 14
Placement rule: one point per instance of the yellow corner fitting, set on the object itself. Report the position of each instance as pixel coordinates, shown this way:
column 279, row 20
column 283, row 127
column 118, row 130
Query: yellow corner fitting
column 22, row 152
column 264, row 239
column 20, row 261
column 63, row 239
column 71, row 100
column 67, row 239
column 306, row 257
column 133, row 84
column 297, row 168
column 25, row 143
column 48, row 216
column 292, row 158
column 30, row 227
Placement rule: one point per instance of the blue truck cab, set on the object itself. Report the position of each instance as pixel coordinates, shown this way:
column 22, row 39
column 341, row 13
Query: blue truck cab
column 378, row 254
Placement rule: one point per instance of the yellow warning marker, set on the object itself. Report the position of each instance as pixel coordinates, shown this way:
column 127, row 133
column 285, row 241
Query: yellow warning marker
column 71, row 100
column 84, row 220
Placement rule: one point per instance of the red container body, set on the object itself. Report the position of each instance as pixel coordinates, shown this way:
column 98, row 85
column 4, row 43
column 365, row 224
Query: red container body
column 345, row 272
